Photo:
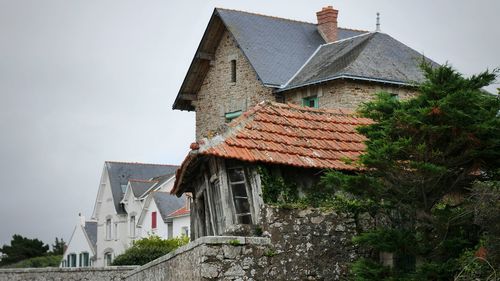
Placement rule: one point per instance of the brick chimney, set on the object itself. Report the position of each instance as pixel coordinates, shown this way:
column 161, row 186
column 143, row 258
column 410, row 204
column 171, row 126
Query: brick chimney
column 327, row 23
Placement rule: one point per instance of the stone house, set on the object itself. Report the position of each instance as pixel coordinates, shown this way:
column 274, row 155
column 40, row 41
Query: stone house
column 245, row 58
column 295, row 142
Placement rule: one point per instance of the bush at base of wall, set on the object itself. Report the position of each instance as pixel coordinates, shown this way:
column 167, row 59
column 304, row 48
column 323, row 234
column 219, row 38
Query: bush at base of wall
column 46, row 261
column 148, row 249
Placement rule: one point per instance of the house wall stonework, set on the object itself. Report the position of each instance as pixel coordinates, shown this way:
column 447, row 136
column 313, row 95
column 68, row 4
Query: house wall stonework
column 218, row 95
column 309, row 244
column 346, row 93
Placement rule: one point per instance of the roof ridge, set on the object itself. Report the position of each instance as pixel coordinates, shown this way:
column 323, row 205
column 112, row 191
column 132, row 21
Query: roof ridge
column 337, row 111
column 281, row 18
column 139, row 163
column 139, row 180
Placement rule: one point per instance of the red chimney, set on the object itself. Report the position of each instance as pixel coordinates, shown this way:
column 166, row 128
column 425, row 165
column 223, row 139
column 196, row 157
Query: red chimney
column 327, row 23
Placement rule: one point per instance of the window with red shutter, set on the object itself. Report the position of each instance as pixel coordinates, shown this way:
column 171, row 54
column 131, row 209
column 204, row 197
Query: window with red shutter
column 153, row 220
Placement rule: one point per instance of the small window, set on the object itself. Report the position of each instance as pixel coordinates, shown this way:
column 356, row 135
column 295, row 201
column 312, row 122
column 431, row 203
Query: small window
column 115, row 236
column 237, row 182
column 84, row 259
column 233, row 71
column 72, row 260
column 310, row 102
column 132, row 226
column 231, row 115
column 108, row 229
column 153, row 220
column 185, row 231
column 108, row 258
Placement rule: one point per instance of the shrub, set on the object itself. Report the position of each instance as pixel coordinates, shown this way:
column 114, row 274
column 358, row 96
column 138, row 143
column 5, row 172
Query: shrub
column 149, row 249
column 45, row 261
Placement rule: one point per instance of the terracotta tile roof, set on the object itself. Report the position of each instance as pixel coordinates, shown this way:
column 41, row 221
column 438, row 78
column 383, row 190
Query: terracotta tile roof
column 292, row 135
column 180, row 212
column 286, row 134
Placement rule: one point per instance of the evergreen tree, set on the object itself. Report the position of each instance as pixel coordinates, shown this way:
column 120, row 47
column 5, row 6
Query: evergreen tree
column 58, row 247
column 423, row 156
column 21, row 248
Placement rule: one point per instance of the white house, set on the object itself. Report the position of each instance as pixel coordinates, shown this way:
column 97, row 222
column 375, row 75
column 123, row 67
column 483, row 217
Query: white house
column 154, row 218
column 180, row 220
column 113, row 204
column 81, row 250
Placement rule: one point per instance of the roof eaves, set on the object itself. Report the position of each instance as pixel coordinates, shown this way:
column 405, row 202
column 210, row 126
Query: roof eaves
column 348, row 76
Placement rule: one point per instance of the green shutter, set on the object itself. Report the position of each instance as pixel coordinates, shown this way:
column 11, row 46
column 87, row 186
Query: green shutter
column 310, row 102
column 231, row 115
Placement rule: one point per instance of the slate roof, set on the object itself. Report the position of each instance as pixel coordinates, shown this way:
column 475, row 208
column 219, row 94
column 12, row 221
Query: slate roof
column 275, row 47
column 286, row 134
column 180, row 212
column 139, row 187
column 167, row 203
column 371, row 56
column 91, row 231
column 121, row 172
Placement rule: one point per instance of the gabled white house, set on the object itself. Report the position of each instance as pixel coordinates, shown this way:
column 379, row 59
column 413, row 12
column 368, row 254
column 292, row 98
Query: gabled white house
column 180, row 220
column 114, row 231
column 81, row 250
column 154, row 218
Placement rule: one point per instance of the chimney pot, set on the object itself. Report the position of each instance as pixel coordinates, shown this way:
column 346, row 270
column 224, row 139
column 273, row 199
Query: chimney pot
column 327, row 23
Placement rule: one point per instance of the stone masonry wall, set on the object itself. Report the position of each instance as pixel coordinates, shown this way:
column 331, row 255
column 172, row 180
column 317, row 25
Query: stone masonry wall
column 218, row 95
column 114, row 273
column 346, row 93
column 210, row 258
column 309, row 244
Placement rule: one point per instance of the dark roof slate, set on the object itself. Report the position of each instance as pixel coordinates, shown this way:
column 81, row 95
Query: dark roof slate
column 167, row 203
column 140, row 187
column 373, row 56
column 120, row 172
column 91, row 231
column 275, row 47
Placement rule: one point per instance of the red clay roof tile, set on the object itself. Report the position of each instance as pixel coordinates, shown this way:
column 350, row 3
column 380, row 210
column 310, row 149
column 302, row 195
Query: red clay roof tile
column 290, row 135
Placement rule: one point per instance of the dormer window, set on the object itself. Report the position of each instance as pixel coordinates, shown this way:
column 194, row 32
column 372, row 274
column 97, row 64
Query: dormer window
column 310, row 102
column 233, row 71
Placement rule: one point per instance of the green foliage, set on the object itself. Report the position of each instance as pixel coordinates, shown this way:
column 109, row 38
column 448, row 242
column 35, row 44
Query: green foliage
column 45, row 261
column 22, row 248
column 234, row 242
column 270, row 253
column 275, row 190
column 58, row 247
column 423, row 157
column 148, row 249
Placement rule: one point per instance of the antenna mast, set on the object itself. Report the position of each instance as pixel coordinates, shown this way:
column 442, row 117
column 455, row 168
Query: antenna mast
column 378, row 22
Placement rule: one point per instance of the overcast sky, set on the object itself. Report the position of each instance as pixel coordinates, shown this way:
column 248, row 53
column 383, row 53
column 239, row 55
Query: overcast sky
column 82, row 82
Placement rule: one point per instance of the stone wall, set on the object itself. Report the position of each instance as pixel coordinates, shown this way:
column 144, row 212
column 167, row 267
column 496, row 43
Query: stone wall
column 218, row 95
column 113, row 273
column 210, row 258
column 346, row 93
column 309, row 244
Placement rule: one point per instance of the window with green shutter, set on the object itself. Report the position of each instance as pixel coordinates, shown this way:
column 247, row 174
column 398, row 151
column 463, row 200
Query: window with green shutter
column 310, row 102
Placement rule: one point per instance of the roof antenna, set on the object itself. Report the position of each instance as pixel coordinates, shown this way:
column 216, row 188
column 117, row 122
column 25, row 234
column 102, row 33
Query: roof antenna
column 378, row 23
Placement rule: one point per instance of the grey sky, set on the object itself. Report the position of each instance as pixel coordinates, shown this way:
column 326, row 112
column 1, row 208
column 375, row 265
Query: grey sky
column 82, row 82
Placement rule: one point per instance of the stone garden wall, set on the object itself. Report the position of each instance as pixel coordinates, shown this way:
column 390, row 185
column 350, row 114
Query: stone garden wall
column 210, row 258
column 113, row 273
column 309, row 244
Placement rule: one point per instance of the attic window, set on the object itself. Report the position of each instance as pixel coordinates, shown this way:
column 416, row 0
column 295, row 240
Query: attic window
column 310, row 102
column 233, row 71
column 231, row 115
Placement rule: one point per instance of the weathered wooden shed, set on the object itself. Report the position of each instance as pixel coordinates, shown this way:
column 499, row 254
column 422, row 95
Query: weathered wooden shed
column 222, row 173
